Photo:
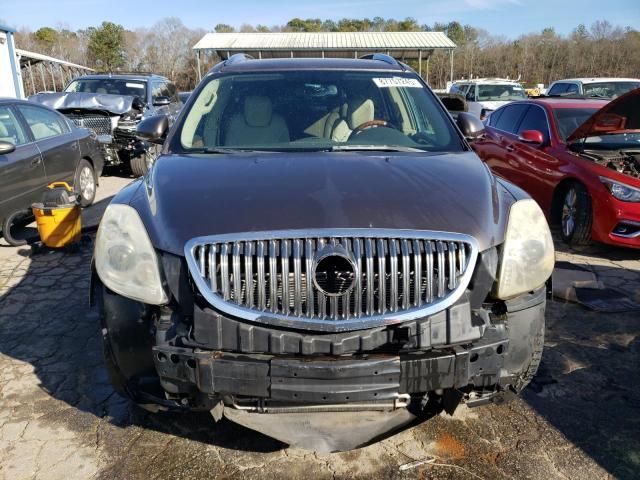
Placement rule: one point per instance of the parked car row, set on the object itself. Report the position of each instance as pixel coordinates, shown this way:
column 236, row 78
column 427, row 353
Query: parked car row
column 484, row 95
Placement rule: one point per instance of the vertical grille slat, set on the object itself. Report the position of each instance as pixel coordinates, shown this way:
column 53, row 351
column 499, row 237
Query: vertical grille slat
column 308, row 255
column 441, row 269
column 237, row 283
column 430, row 274
column 273, row 276
column 297, row 277
column 393, row 260
column 357, row 296
column 262, row 279
column 370, row 292
column 417, row 281
column 381, row 252
column 224, row 271
column 406, row 274
column 382, row 275
column 284, row 258
column 248, row 272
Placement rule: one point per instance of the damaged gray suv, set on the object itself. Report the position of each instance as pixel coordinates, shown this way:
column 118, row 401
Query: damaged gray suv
column 318, row 254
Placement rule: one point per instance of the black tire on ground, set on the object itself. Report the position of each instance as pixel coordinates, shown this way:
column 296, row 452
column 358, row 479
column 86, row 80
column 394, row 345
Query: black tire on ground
column 9, row 222
column 141, row 164
column 85, row 183
column 576, row 215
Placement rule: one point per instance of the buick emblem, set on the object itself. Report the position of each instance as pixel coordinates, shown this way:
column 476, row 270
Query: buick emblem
column 334, row 272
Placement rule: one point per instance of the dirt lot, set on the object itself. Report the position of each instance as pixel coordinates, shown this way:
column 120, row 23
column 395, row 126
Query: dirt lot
column 59, row 418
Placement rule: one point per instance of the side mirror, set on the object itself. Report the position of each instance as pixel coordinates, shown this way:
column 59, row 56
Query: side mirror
column 534, row 137
column 161, row 101
column 6, row 147
column 470, row 125
column 153, row 129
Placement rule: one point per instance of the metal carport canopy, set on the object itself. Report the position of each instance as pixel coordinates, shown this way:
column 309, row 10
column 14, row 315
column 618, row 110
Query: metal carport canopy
column 404, row 45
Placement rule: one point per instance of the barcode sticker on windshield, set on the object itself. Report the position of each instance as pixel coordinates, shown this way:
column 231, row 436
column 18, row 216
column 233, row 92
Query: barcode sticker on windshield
column 397, row 82
column 134, row 85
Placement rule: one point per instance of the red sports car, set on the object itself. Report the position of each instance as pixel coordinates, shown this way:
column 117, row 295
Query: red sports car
column 578, row 158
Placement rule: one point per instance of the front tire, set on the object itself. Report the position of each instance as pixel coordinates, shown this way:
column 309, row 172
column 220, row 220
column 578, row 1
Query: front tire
column 14, row 219
column 86, row 183
column 576, row 215
column 141, row 164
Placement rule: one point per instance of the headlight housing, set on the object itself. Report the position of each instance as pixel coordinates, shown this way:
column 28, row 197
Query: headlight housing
column 621, row 191
column 528, row 255
column 125, row 260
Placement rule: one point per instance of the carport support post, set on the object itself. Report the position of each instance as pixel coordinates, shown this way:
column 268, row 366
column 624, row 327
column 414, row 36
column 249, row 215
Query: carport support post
column 451, row 63
column 44, row 81
column 420, row 63
column 199, row 68
column 53, row 77
column 33, row 83
column 428, row 58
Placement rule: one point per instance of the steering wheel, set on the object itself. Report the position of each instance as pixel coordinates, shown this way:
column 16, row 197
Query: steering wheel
column 369, row 124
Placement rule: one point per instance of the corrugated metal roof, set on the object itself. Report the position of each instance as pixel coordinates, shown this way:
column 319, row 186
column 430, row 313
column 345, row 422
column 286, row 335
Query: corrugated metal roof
column 326, row 41
column 26, row 56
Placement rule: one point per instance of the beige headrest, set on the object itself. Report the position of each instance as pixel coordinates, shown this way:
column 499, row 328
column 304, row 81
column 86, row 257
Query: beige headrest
column 101, row 90
column 257, row 111
column 359, row 112
column 3, row 130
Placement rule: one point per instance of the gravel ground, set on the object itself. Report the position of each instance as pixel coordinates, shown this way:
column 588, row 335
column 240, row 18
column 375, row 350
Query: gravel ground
column 60, row 419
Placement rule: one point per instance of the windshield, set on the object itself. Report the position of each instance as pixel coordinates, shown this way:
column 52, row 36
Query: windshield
column 316, row 110
column 503, row 92
column 116, row 86
column 608, row 89
column 569, row 119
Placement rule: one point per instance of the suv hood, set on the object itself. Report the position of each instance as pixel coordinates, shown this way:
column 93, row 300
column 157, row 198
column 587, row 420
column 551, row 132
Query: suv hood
column 621, row 115
column 105, row 102
column 186, row 196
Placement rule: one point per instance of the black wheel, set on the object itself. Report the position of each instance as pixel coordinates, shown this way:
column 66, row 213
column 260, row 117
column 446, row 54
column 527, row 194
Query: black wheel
column 85, row 183
column 141, row 164
column 576, row 217
column 15, row 219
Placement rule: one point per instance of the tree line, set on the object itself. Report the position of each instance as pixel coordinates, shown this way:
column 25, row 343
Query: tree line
column 601, row 49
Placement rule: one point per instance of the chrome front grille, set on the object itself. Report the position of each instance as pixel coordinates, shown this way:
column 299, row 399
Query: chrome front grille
column 396, row 275
column 101, row 124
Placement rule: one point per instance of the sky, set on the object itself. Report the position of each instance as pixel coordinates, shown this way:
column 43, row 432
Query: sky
column 509, row 18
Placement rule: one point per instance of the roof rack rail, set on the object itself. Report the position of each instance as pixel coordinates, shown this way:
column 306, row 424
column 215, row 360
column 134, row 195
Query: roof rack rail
column 124, row 72
column 238, row 58
column 383, row 57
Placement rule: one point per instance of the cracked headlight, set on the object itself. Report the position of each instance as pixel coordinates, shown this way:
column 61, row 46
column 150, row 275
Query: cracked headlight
column 125, row 260
column 527, row 254
column 621, row 191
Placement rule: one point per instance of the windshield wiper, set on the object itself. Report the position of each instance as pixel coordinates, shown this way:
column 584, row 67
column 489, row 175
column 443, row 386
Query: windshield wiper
column 224, row 151
column 374, row 148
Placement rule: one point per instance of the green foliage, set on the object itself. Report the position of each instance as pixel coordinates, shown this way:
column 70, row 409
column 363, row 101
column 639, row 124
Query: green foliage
column 46, row 37
column 105, row 46
column 223, row 28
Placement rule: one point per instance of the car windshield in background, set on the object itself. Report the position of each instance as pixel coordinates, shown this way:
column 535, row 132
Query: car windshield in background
column 569, row 119
column 109, row 85
column 500, row 93
column 608, row 89
column 326, row 110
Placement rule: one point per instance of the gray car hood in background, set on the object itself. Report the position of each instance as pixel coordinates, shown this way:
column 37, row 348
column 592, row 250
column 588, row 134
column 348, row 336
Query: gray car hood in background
column 106, row 102
column 186, row 196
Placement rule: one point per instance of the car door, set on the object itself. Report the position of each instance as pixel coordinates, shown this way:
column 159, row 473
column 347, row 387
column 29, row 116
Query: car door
column 22, row 172
column 498, row 151
column 56, row 141
column 538, row 168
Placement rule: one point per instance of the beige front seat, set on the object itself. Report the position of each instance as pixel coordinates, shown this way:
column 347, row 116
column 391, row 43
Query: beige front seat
column 359, row 111
column 4, row 134
column 257, row 125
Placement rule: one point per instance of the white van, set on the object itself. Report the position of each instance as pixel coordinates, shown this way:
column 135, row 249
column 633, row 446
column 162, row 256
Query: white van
column 484, row 95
